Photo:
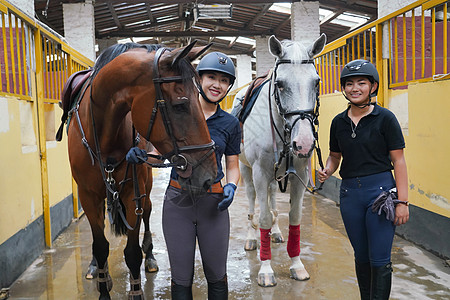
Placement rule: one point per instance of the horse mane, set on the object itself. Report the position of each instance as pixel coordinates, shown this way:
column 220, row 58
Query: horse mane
column 185, row 68
column 115, row 50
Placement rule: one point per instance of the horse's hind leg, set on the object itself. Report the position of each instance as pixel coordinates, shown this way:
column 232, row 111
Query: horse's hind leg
column 251, row 241
column 276, row 235
column 94, row 209
column 147, row 244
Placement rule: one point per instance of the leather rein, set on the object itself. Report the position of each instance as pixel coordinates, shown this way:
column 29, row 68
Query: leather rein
column 286, row 153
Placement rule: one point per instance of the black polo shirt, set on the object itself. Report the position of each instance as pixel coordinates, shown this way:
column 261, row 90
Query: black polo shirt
column 225, row 131
column 367, row 153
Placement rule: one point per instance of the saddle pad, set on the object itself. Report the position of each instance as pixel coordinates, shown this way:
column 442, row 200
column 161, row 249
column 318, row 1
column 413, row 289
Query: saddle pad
column 250, row 99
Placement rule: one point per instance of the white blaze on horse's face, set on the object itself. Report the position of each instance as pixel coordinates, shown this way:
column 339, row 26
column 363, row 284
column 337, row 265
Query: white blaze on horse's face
column 297, row 83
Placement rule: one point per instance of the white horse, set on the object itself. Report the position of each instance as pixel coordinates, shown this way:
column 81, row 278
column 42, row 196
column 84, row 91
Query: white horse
column 280, row 127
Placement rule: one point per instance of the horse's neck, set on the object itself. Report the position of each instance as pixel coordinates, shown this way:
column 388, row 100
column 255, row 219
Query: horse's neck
column 267, row 104
column 111, row 125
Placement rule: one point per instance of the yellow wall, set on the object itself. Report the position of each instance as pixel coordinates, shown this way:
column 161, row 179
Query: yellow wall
column 59, row 174
column 428, row 145
column 20, row 175
column 20, row 179
column 423, row 112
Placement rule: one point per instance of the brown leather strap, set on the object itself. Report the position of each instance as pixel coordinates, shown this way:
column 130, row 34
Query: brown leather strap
column 216, row 188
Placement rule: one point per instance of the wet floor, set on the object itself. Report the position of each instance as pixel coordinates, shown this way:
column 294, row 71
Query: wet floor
column 325, row 251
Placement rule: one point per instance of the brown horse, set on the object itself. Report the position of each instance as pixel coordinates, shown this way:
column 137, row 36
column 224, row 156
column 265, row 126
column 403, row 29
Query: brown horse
column 150, row 90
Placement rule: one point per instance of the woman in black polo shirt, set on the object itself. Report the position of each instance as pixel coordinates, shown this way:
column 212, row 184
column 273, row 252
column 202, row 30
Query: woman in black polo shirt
column 370, row 142
column 204, row 219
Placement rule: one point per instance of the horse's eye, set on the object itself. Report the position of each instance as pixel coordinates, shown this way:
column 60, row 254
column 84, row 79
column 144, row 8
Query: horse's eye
column 280, row 85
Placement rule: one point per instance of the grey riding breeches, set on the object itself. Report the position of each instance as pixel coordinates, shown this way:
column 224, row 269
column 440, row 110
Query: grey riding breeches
column 187, row 221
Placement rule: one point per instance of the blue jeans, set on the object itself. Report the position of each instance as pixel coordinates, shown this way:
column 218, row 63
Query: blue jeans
column 370, row 234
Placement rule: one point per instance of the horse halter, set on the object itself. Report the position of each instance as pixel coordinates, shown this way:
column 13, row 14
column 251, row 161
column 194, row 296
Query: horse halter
column 311, row 115
column 177, row 159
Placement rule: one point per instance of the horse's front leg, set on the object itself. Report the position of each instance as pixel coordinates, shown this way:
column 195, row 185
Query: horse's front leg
column 297, row 269
column 133, row 259
column 266, row 276
column 251, row 240
column 151, row 265
column 277, row 237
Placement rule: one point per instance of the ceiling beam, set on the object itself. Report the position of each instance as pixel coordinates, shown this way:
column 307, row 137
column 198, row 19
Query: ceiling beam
column 179, row 1
column 127, row 33
column 263, row 11
column 114, row 16
column 331, row 17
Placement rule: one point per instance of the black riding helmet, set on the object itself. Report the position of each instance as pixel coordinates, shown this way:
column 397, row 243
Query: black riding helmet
column 361, row 67
column 216, row 62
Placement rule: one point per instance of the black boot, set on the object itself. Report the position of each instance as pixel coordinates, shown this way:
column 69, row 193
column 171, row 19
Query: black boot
column 381, row 282
column 218, row 290
column 363, row 273
column 180, row 292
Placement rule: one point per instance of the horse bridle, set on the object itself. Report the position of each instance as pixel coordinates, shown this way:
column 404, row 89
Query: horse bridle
column 312, row 115
column 160, row 103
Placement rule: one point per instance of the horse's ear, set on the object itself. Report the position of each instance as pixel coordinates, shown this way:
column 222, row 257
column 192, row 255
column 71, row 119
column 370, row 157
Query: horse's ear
column 183, row 53
column 275, row 47
column 193, row 55
column 317, row 46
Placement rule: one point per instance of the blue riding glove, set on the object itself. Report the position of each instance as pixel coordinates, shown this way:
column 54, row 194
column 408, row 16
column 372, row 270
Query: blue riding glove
column 134, row 155
column 228, row 195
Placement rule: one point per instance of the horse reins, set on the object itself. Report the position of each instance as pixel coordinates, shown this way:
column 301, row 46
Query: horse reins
column 160, row 104
column 311, row 115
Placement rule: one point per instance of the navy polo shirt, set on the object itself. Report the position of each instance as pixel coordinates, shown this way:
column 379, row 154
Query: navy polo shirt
column 225, row 131
column 367, row 153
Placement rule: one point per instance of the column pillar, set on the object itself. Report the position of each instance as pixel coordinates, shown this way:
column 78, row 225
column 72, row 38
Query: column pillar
column 264, row 60
column 79, row 27
column 305, row 23
column 243, row 70
column 26, row 6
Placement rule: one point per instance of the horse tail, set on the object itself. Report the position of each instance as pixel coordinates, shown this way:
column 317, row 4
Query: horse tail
column 118, row 214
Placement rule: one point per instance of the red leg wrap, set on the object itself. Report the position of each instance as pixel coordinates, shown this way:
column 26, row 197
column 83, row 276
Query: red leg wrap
column 293, row 244
column 264, row 251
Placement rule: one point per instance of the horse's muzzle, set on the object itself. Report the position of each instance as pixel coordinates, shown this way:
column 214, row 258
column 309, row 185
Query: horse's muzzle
column 301, row 151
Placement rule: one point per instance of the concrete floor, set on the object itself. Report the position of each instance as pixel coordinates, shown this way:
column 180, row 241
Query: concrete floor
column 325, row 250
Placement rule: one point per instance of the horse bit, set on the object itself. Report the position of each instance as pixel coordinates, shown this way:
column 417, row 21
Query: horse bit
column 311, row 115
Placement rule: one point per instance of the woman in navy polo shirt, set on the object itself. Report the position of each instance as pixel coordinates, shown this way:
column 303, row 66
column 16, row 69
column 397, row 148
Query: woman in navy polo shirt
column 370, row 142
column 204, row 219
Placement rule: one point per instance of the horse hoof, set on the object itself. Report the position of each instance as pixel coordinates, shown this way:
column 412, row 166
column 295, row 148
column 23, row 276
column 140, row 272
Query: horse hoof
column 277, row 238
column 91, row 272
column 4, row 293
column 151, row 266
column 299, row 274
column 266, row 280
column 250, row 245
column 104, row 297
